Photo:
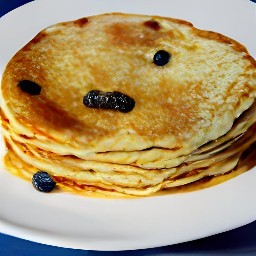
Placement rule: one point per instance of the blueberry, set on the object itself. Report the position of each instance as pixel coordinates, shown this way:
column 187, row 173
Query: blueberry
column 92, row 99
column 43, row 182
column 30, row 87
column 153, row 24
column 109, row 100
column 123, row 103
column 161, row 58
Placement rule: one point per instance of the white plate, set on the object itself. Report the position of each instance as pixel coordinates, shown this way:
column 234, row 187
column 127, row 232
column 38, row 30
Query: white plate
column 72, row 221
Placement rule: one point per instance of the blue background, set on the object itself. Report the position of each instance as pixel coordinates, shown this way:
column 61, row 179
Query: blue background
column 241, row 241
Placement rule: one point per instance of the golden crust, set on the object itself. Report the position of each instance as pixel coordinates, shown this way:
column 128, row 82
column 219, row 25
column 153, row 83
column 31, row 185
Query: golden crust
column 114, row 52
column 224, row 39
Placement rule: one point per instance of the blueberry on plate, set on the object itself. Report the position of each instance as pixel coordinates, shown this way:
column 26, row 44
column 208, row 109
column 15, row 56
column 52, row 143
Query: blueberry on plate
column 43, row 182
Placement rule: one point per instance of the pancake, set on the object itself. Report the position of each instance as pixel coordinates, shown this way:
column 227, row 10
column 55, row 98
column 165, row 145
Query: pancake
column 175, row 104
column 128, row 179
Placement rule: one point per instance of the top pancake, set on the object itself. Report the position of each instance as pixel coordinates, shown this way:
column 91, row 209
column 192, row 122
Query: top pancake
column 195, row 98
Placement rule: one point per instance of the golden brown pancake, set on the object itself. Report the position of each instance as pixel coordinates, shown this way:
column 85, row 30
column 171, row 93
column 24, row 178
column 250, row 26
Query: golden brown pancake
column 196, row 107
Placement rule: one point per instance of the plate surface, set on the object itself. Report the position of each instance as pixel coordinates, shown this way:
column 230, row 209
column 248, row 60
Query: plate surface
column 67, row 220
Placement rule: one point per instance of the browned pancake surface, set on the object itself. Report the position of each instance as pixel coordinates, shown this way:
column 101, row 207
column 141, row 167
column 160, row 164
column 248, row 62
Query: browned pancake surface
column 209, row 78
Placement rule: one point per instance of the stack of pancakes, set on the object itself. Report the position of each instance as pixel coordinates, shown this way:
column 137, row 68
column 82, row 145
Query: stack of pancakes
column 193, row 117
